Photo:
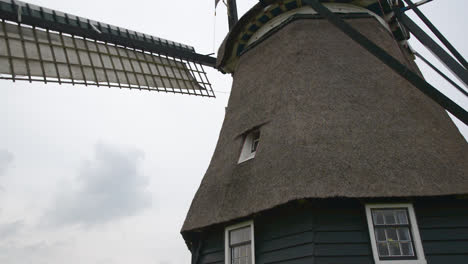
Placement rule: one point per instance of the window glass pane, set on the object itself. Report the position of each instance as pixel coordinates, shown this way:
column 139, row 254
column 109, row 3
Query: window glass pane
column 255, row 140
column 254, row 145
column 402, row 217
column 383, row 249
column 380, row 234
column 240, row 235
column 406, row 249
column 403, row 234
column 389, row 217
column 391, row 234
column 243, row 251
column 378, row 217
column 241, row 254
column 235, row 252
column 394, row 248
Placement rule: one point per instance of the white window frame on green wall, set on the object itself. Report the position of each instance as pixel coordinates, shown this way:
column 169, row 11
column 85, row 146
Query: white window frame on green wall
column 414, row 232
column 227, row 246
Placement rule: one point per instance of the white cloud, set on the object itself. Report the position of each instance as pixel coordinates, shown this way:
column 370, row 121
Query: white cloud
column 110, row 187
column 6, row 158
column 10, row 229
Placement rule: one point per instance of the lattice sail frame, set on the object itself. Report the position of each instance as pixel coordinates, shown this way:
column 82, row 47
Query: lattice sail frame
column 33, row 53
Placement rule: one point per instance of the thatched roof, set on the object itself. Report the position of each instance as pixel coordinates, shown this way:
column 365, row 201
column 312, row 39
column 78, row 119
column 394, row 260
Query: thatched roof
column 335, row 122
column 263, row 12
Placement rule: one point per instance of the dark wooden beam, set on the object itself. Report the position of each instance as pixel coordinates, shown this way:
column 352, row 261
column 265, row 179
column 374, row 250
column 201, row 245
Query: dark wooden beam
column 436, row 32
column 390, row 61
column 57, row 21
column 232, row 13
column 458, row 70
column 441, row 74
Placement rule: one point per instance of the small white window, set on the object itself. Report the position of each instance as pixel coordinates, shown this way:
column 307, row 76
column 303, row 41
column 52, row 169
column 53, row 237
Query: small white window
column 239, row 244
column 394, row 234
column 250, row 146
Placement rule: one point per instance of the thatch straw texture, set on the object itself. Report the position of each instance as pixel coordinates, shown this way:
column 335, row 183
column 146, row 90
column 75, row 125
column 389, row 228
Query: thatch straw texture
column 335, row 122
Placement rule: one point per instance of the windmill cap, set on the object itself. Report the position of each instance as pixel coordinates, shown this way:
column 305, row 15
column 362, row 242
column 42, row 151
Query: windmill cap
column 267, row 17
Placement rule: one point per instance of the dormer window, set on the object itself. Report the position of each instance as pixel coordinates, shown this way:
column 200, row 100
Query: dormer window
column 250, row 146
column 255, row 140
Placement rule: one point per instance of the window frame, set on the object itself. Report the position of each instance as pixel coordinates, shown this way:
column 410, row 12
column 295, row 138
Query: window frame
column 255, row 141
column 227, row 248
column 417, row 244
column 246, row 151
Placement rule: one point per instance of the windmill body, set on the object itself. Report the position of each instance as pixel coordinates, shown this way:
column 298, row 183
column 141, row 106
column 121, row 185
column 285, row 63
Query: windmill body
column 340, row 139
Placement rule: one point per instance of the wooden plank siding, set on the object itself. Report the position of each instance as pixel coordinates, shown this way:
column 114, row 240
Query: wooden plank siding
column 334, row 232
column 309, row 234
column 212, row 250
column 443, row 226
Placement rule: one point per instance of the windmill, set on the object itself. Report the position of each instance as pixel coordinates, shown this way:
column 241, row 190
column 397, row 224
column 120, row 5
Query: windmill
column 162, row 65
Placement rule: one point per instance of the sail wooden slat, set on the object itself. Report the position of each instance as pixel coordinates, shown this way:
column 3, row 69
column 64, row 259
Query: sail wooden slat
column 35, row 54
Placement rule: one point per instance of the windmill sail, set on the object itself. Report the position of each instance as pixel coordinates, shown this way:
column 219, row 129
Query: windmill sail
column 38, row 44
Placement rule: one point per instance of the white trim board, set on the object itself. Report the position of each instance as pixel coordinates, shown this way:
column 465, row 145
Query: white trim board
column 227, row 253
column 421, row 259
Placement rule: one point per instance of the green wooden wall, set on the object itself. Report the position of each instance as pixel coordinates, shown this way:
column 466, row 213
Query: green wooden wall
column 313, row 233
column 212, row 250
column 443, row 226
column 335, row 231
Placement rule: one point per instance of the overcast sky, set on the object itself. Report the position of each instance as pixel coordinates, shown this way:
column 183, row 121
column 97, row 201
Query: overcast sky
column 98, row 175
